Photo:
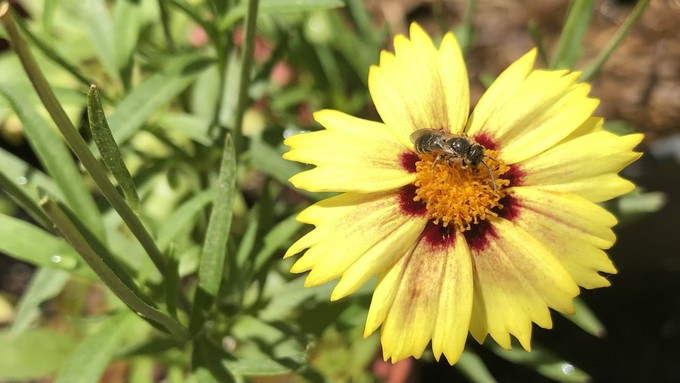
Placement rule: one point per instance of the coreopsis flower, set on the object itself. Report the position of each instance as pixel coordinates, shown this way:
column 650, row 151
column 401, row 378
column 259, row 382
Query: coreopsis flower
column 484, row 242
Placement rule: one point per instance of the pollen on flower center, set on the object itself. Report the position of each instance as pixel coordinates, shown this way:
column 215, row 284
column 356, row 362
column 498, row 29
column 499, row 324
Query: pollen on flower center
column 459, row 196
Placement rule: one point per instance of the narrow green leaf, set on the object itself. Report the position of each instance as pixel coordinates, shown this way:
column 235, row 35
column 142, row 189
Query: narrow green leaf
column 24, row 199
column 105, row 266
column 28, row 243
column 56, row 158
column 153, row 94
column 183, row 218
column 277, row 237
column 473, row 367
column 194, row 126
column 466, row 31
column 604, row 54
column 88, row 362
column 108, row 148
column 23, row 174
column 96, row 18
column 33, row 354
column 586, row 319
column 570, row 47
column 266, row 367
column 214, row 251
column 45, row 284
column 127, row 22
column 235, row 14
column 172, row 282
column 544, row 362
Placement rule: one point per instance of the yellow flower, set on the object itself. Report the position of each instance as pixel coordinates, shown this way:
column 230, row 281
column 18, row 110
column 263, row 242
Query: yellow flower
column 457, row 247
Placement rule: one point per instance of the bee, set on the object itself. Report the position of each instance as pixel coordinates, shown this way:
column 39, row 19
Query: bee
column 451, row 147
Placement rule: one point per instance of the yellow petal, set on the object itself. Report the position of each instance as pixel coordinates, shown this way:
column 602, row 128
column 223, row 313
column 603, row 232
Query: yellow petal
column 426, row 296
column 349, row 227
column 419, row 87
column 351, row 154
column 585, row 157
column 516, row 280
column 530, row 112
column 595, row 189
column 574, row 229
column 506, row 83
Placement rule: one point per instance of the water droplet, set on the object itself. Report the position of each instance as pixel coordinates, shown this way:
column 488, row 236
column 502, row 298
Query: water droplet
column 567, row 369
column 21, row 180
column 55, row 258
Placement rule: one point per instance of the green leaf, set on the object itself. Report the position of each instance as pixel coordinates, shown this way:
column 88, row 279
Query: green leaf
column 211, row 267
column 24, row 199
column 194, row 126
column 108, row 148
column 570, row 46
column 473, row 367
column 586, row 319
column 277, row 237
column 28, row 243
column 26, row 175
column 45, row 284
column 153, row 94
column 127, row 22
column 183, row 218
column 100, row 260
column 96, row 18
column 34, row 354
column 266, row 366
column 275, row 7
column 544, row 362
column 56, row 158
column 92, row 356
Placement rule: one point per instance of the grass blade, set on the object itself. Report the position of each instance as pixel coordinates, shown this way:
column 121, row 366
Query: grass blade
column 24, row 200
column 570, row 46
column 95, row 16
column 108, row 148
column 604, row 54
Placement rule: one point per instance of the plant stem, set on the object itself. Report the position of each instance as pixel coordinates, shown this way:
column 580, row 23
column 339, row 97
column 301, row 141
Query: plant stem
column 246, row 64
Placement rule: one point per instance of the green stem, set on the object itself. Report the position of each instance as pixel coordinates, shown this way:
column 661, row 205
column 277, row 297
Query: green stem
column 604, row 54
column 246, row 64
column 70, row 231
column 75, row 141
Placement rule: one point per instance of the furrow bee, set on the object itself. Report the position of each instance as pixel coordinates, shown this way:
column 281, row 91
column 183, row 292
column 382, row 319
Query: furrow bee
column 451, row 147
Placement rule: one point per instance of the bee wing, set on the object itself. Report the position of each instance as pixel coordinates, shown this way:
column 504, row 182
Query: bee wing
column 422, row 132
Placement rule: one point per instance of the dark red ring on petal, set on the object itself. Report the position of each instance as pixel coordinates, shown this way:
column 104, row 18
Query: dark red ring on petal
column 439, row 236
column 408, row 161
column 408, row 205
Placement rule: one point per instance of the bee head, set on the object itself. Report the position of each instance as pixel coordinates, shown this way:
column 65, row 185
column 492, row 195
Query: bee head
column 475, row 155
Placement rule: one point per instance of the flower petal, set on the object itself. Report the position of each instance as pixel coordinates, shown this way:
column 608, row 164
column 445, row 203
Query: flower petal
column 351, row 226
column 573, row 228
column 592, row 155
column 351, row 154
column 419, row 87
column 536, row 113
column 516, row 280
column 426, row 295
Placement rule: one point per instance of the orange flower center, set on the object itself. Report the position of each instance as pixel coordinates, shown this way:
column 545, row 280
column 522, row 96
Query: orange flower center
column 460, row 196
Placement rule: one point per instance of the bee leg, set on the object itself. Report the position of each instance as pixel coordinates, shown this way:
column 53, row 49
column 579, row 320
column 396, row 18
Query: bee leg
column 434, row 163
column 493, row 180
